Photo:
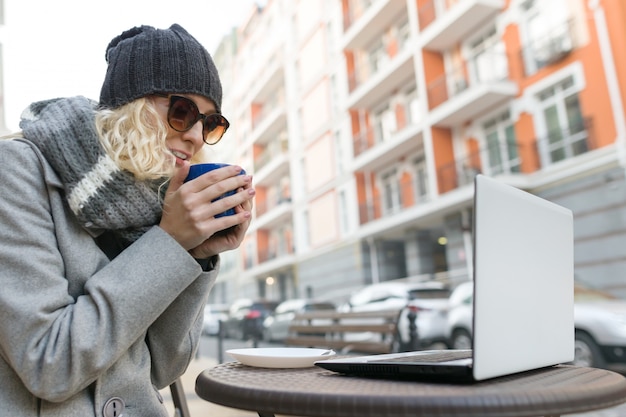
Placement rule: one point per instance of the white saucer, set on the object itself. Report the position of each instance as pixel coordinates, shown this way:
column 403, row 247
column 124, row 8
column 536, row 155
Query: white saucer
column 280, row 357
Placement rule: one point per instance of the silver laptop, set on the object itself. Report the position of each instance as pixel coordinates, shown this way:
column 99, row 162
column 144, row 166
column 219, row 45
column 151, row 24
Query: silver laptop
column 523, row 295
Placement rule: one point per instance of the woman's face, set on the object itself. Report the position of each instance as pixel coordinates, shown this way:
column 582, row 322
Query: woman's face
column 184, row 145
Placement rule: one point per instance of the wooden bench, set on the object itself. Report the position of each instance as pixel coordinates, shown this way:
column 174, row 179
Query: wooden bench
column 346, row 331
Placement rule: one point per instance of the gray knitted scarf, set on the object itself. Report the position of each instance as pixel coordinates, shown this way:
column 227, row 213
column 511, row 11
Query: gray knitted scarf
column 103, row 197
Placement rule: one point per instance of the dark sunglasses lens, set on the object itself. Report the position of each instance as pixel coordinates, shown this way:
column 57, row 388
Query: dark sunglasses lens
column 215, row 126
column 183, row 113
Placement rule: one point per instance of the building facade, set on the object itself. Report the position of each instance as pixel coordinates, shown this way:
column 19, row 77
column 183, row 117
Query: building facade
column 365, row 121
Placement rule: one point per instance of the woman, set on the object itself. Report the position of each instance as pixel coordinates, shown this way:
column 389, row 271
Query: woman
column 107, row 254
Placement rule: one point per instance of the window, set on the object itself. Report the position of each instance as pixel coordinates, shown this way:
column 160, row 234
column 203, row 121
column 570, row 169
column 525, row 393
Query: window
column 391, row 191
column 545, row 31
column 413, row 106
column 304, row 241
column 334, row 97
column 501, row 147
column 339, row 162
column 488, row 60
column 283, row 235
column 377, row 57
column 421, row 178
column 384, row 124
column 404, row 35
column 303, row 174
column 249, row 255
column 566, row 132
column 343, row 212
column 272, row 250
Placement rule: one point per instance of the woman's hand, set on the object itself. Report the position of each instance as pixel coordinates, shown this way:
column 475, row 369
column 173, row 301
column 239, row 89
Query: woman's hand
column 189, row 210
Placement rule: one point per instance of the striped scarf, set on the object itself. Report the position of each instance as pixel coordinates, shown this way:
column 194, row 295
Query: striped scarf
column 103, row 197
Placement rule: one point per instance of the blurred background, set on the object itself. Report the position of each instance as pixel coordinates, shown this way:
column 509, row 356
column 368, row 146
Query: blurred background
column 365, row 121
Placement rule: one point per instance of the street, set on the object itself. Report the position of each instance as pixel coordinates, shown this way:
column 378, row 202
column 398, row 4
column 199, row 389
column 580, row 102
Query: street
column 209, row 347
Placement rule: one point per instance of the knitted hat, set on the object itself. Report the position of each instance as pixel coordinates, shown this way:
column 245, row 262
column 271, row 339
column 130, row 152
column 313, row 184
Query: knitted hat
column 144, row 60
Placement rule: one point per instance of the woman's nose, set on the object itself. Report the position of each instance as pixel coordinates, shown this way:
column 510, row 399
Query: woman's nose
column 195, row 133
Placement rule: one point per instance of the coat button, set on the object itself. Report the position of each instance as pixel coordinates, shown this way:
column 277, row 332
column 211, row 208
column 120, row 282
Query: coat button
column 114, row 407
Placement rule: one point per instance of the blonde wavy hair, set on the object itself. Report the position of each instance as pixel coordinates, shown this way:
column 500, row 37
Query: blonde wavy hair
column 134, row 136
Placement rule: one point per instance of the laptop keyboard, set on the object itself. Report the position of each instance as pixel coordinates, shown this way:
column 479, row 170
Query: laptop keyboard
column 434, row 357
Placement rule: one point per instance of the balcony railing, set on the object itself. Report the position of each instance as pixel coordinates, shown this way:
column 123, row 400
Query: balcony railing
column 266, row 255
column 269, row 107
column 367, row 70
column 372, row 137
column 283, row 249
column 364, row 141
column 356, row 9
column 549, row 49
column 263, row 207
column 269, row 154
column 444, row 23
column 499, row 159
column 388, row 205
column 483, row 68
column 557, row 146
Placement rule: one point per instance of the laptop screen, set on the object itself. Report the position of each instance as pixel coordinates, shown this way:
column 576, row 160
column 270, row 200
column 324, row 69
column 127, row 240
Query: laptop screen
column 524, row 281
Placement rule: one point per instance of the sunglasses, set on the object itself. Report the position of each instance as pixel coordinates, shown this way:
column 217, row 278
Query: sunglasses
column 183, row 114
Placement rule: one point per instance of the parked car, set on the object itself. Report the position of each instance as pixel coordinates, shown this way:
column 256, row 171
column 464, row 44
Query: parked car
column 232, row 326
column 429, row 300
column 392, row 295
column 599, row 321
column 459, row 323
column 429, row 304
column 276, row 326
column 245, row 318
column 213, row 314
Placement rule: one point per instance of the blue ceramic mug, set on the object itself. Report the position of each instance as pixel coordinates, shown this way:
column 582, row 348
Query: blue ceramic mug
column 198, row 169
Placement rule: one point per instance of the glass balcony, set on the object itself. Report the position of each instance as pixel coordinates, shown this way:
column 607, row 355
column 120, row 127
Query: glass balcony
column 384, row 65
column 445, row 23
column 558, row 145
column 363, row 19
column 377, row 147
column 404, row 196
column 548, row 49
column 273, row 160
column 274, row 253
column 470, row 89
column 263, row 207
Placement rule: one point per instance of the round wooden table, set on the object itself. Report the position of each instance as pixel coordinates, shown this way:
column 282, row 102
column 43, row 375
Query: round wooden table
column 320, row 393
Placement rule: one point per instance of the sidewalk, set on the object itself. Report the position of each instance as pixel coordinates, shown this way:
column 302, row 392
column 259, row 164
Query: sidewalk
column 197, row 406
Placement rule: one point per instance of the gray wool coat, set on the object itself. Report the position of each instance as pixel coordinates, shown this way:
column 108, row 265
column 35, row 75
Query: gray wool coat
column 78, row 332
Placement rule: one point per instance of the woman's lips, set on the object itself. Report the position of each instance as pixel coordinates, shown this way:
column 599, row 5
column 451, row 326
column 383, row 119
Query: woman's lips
column 180, row 157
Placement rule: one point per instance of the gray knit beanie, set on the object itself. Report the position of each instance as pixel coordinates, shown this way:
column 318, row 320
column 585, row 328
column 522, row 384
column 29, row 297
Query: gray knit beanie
column 144, row 60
